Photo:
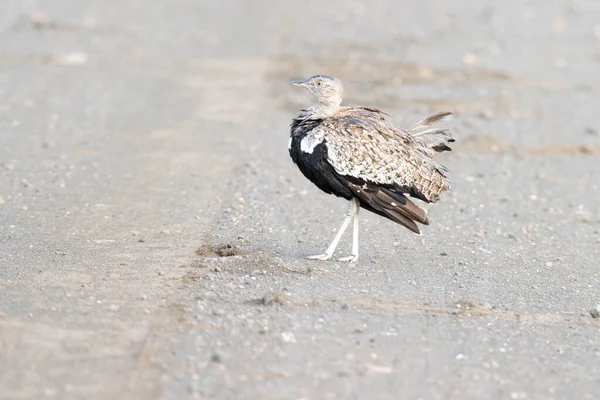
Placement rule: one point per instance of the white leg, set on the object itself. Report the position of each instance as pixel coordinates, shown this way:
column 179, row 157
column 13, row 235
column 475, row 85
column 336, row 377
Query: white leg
column 354, row 256
column 329, row 252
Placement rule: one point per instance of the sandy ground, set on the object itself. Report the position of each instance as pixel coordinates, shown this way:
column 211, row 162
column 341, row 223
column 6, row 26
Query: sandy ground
column 152, row 226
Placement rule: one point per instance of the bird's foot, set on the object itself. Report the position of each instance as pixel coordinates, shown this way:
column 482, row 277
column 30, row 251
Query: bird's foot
column 320, row 257
column 351, row 258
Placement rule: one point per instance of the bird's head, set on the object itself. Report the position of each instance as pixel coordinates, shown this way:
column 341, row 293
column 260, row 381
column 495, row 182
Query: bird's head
column 327, row 89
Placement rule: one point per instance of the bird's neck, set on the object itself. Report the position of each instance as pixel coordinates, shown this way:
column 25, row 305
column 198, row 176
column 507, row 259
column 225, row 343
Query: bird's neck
column 321, row 110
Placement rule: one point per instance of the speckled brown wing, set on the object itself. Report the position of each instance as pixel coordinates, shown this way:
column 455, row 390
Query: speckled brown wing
column 376, row 152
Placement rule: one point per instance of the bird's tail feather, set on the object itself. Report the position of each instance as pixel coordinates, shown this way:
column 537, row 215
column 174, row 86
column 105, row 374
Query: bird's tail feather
column 392, row 205
column 432, row 137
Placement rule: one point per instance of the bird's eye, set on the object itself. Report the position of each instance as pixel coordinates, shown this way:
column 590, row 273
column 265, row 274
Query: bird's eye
column 319, row 83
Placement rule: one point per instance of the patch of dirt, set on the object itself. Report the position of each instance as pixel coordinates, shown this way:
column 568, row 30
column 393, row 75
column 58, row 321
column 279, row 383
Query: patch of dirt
column 179, row 308
column 192, row 277
column 256, row 262
column 468, row 305
column 271, row 299
column 196, row 264
column 239, row 256
column 221, row 250
column 479, row 143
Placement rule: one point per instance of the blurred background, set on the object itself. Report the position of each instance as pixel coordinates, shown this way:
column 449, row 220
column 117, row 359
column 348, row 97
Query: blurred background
column 152, row 225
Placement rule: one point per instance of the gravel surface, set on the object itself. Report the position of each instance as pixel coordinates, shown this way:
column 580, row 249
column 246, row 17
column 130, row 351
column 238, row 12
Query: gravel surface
column 153, row 227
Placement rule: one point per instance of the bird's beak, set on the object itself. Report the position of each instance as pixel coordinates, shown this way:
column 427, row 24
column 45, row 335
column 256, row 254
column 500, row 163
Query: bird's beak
column 297, row 83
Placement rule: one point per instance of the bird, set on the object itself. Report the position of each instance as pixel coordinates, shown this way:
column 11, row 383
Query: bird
column 357, row 154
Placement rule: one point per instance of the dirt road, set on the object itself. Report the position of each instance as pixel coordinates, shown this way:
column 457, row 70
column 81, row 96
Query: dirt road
column 152, row 226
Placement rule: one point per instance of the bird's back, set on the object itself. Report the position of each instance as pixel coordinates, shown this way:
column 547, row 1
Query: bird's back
column 361, row 143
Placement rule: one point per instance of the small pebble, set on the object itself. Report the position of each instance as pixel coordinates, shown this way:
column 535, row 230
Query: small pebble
column 288, row 337
column 271, row 299
column 595, row 312
column 73, row 58
column 267, row 299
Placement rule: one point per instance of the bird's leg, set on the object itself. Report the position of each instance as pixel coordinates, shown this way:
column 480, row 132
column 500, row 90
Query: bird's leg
column 354, row 256
column 329, row 252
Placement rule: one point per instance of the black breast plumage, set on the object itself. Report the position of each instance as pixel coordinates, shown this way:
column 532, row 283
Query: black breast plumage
column 314, row 165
